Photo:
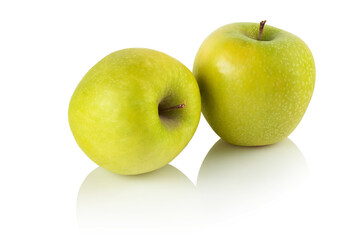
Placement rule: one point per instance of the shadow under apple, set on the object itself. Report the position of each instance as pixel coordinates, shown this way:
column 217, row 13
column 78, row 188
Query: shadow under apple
column 238, row 179
column 162, row 198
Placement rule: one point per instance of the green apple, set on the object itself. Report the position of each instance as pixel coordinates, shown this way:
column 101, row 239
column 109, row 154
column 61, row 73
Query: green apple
column 255, row 82
column 135, row 110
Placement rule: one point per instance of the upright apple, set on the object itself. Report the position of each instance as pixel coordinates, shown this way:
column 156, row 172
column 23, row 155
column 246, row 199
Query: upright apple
column 135, row 111
column 255, row 82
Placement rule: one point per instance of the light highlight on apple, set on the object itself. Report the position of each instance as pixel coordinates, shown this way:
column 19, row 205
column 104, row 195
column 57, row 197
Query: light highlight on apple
column 135, row 111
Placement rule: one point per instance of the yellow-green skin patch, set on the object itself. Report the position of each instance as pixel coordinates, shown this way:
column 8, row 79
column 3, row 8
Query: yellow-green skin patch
column 113, row 113
column 254, row 92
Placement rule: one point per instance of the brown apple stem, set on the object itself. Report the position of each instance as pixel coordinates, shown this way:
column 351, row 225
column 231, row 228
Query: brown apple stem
column 262, row 24
column 173, row 107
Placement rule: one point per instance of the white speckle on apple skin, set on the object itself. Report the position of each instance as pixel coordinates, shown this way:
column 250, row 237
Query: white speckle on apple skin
column 114, row 115
column 254, row 92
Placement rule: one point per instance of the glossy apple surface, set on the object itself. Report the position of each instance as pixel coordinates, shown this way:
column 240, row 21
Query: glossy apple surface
column 135, row 111
column 254, row 92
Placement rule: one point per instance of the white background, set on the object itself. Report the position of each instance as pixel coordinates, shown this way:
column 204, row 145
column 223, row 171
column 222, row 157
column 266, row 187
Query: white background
column 308, row 189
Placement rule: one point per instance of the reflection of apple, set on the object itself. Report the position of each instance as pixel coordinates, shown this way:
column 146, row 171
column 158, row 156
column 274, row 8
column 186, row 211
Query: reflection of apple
column 233, row 177
column 164, row 197
column 135, row 110
column 254, row 92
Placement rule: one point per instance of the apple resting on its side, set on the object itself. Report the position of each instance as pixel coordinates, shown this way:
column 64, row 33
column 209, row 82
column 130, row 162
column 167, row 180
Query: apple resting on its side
column 255, row 82
column 135, row 111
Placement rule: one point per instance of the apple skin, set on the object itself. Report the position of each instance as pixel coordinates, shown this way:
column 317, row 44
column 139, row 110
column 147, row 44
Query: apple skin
column 114, row 116
column 254, row 92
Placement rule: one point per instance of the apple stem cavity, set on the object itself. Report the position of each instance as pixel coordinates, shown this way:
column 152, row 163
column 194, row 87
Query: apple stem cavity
column 173, row 108
column 261, row 29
